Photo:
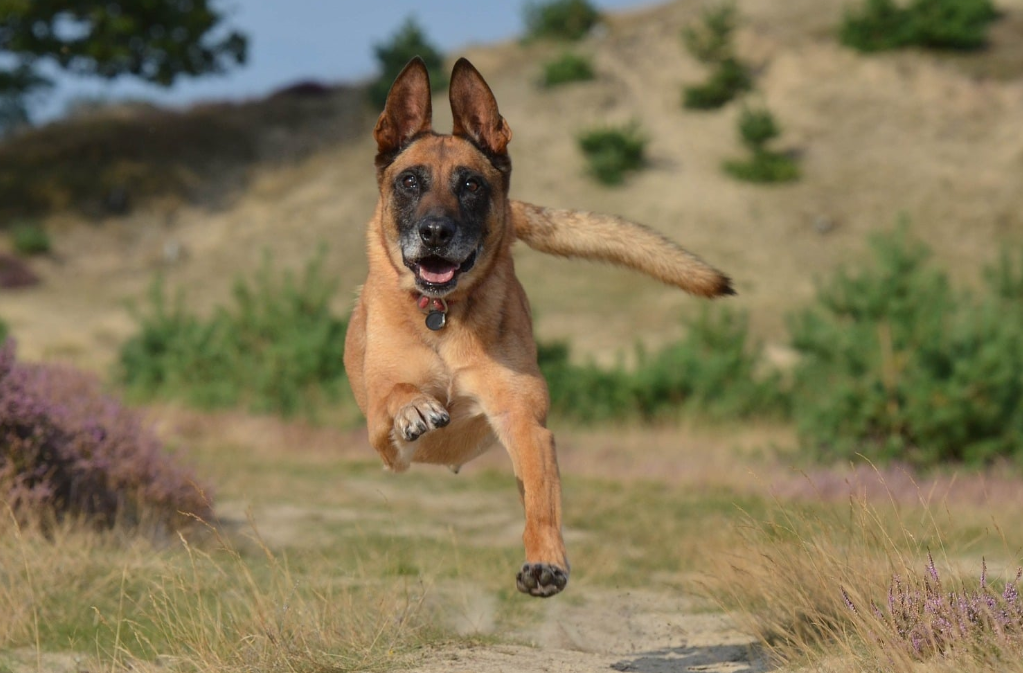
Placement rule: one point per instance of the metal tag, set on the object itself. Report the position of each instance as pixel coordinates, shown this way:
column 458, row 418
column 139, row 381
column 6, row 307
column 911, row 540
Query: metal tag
column 436, row 320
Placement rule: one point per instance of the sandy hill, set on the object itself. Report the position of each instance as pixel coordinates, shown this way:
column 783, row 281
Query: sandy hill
column 936, row 138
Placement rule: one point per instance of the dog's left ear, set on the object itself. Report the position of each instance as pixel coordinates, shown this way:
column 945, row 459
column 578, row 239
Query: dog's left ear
column 474, row 110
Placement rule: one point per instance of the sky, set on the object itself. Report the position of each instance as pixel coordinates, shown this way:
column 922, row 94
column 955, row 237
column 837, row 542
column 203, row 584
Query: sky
column 330, row 41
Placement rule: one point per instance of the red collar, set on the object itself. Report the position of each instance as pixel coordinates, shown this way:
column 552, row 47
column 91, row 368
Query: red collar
column 436, row 310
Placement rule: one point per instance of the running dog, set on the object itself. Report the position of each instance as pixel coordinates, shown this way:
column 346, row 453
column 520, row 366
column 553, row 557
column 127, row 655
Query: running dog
column 440, row 351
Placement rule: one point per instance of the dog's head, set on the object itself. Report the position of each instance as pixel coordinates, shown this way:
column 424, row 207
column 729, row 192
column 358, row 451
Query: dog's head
column 443, row 197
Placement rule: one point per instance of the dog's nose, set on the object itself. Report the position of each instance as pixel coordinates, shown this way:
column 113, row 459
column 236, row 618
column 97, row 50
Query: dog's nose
column 436, row 232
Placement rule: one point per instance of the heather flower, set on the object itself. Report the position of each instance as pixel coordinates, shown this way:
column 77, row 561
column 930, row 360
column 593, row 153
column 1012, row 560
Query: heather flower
column 928, row 621
column 68, row 449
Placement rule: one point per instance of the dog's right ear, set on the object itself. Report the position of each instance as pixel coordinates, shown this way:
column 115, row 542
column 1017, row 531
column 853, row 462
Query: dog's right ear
column 407, row 113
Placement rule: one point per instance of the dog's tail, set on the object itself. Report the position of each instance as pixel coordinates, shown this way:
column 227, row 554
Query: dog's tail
column 606, row 238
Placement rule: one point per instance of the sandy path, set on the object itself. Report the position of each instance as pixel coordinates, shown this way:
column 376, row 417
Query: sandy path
column 642, row 631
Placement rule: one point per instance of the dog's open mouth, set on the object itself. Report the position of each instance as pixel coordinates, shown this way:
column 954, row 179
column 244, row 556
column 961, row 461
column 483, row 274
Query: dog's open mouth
column 436, row 274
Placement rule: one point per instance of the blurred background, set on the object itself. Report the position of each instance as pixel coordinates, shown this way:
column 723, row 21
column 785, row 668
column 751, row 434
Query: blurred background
column 186, row 166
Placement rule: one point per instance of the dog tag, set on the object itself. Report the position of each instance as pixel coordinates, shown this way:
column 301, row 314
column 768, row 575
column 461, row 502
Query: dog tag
column 436, row 320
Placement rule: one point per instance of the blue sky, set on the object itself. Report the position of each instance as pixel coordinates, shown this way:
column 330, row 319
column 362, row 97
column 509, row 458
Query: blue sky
column 325, row 40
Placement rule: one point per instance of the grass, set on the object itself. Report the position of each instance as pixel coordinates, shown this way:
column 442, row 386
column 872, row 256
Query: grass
column 840, row 589
column 317, row 560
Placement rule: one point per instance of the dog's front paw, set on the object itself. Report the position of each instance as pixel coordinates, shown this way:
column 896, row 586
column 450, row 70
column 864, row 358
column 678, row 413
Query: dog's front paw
column 422, row 414
column 542, row 580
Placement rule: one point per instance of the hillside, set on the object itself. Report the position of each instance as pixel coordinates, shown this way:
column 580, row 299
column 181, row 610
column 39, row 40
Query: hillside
column 935, row 138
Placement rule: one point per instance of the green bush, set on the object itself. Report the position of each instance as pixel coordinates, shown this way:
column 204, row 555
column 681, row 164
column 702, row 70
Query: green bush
column 30, row 239
column 936, row 24
column 712, row 372
column 764, row 167
column 278, row 348
column 729, row 79
column 3, row 331
column 757, row 127
column 567, row 68
column 710, row 42
column 393, row 55
column 560, row 19
column 896, row 365
column 611, row 152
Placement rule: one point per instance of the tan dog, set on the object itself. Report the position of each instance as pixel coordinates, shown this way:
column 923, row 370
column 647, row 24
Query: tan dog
column 440, row 350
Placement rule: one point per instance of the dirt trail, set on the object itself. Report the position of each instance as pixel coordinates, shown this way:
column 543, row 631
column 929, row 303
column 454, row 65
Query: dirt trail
column 642, row 631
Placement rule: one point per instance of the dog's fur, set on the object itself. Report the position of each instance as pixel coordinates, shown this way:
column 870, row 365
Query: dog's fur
column 443, row 229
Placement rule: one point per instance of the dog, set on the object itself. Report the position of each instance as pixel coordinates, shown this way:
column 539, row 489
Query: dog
column 440, row 351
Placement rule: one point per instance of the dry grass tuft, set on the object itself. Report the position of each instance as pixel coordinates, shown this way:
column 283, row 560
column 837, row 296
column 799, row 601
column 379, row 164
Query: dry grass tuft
column 856, row 588
column 205, row 603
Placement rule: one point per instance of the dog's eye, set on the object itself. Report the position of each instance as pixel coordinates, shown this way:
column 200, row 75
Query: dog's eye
column 409, row 181
column 472, row 185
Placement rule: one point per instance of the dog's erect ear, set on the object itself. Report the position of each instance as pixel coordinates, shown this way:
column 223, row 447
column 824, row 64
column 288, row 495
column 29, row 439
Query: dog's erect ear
column 474, row 110
column 408, row 110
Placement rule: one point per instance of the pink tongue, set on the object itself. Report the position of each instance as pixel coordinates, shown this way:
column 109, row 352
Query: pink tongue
column 440, row 276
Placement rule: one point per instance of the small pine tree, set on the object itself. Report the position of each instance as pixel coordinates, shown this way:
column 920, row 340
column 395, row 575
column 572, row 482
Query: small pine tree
column 560, row 19
column 757, row 127
column 410, row 41
column 711, row 42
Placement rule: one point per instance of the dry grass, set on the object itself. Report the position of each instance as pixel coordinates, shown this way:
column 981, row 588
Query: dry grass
column 815, row 583
column 318, row 560
column 209, row 602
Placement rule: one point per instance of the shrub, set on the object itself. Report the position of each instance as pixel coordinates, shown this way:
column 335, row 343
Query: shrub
column 560, row 19
column 584, row 392
column 712, row 371
column 410, row 41
column 932, row 620
column 66, row 449
column 278, row 348
column 897, row 365
column 613, row 151
column 567, row 68
column 756, row 129
column 15, row 272
column 936, row 24
column 729, row 79
column 710, row 42
column 3, row 331
column 30, row 239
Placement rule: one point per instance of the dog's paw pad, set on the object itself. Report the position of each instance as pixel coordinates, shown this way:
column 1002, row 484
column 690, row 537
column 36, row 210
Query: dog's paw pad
column 420, row 416
column 541, row 579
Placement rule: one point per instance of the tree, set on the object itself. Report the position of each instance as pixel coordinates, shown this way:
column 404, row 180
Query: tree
column 392, row 55
column 156, row 41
